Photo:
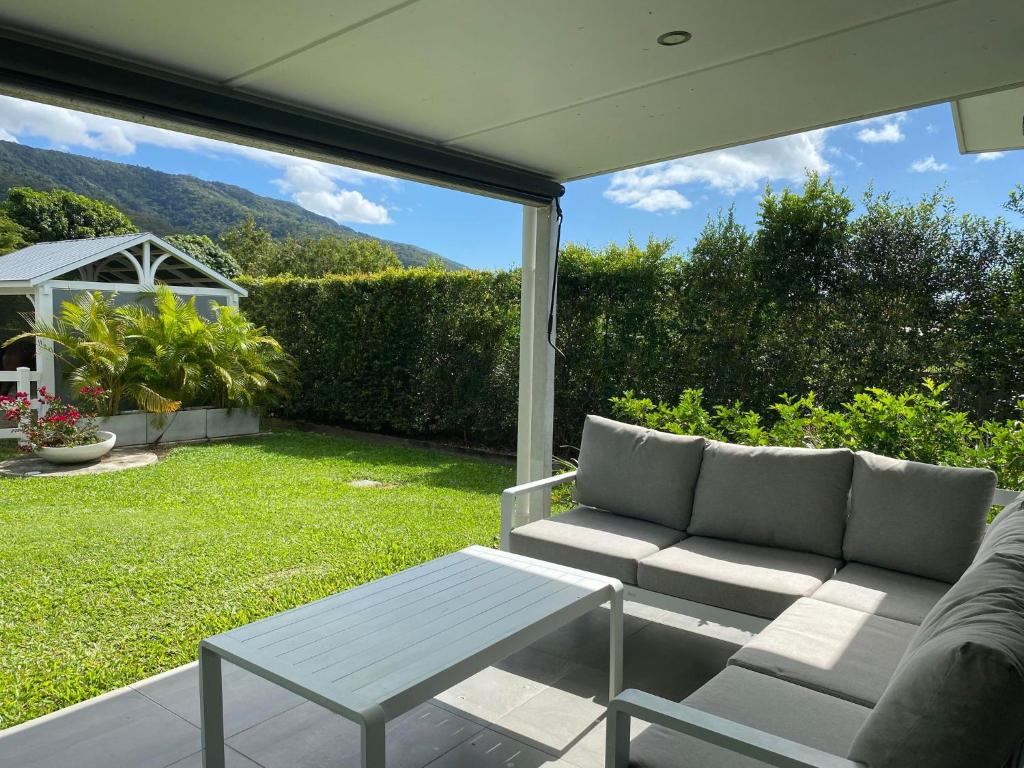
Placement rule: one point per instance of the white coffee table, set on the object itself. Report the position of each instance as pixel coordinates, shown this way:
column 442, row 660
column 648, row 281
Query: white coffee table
column 376, row 651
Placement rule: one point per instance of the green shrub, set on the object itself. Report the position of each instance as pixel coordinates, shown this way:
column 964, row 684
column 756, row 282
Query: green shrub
column 919, row 425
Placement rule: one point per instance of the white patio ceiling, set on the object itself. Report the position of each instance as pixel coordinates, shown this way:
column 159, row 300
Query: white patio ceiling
column 562, row 89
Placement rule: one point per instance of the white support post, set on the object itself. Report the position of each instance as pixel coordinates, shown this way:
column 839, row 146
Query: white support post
column 44, row 353
column 147, row 265
column 536, row 358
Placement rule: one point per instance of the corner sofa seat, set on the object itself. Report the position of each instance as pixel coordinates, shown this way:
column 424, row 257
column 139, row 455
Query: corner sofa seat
column 839, row 651
column 595, row 541
column 756, row 580
column 758, row 701
column 879, row 591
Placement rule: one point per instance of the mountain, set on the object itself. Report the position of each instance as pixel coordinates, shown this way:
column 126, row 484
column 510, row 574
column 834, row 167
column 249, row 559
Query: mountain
column 166, row 203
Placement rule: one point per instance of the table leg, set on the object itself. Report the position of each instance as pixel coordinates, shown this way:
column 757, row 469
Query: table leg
column 615, row 645
column 373, row 745
column 211, row 706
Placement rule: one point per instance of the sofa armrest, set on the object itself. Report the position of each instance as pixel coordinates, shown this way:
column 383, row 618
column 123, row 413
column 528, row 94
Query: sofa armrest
column 734, row 737
column 509, row 496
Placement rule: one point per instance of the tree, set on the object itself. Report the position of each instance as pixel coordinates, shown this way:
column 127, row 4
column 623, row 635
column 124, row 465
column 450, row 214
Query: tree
column 202, row 248
column 1016, row 201
column 319, row 256
column 63, row 215
column 250, row 246
column 12, row 235
column 364, row 254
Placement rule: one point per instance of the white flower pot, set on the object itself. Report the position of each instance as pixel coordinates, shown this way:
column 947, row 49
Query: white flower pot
column 79, row 454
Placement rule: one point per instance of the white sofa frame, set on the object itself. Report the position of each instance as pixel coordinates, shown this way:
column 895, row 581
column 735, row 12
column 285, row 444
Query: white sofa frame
column 738, row 627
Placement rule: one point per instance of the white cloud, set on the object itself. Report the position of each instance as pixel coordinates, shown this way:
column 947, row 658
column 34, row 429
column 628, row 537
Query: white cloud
column 926, row 164
column 67, row 129
column 651, row 201
column 882, row 130
column 932, row 128
column 987, row 157
column 729, row 171
column 312, row 186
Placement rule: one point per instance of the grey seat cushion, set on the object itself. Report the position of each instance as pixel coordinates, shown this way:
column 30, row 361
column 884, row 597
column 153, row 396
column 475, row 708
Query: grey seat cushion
column 592, row 540
column 776, row 707
column 882, row 592
column 638, row 472
column 829, row 648
column 793, row 498
column 940, row 510
column 762, row 581
column 957, row 698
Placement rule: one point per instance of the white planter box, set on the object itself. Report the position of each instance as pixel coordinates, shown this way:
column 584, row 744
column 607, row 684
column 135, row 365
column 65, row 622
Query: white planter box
column 188, row 424
column 139, row 428
column 221, row 422
column 129, row 427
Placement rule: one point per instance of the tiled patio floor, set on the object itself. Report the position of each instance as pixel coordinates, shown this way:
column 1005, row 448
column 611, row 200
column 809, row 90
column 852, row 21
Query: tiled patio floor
column 543, row 705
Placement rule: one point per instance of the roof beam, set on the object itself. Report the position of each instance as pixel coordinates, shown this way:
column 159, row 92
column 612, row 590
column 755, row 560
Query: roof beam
column 43, row 70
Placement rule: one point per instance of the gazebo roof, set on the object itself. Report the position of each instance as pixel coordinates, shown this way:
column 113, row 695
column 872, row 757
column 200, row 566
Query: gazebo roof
column 42, row 262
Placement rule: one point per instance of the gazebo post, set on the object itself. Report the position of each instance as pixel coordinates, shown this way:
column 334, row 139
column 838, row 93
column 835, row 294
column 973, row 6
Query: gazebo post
column 536, row 357
column 44, row 354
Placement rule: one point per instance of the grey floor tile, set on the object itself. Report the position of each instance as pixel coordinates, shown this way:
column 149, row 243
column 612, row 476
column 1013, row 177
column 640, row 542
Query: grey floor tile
column 489, row 749
column 496, row 691
column 309, row 736
column 558, row 716
column 248, row 699
column 585, row 641
column 672, row 662
column 125, row 730
column 231, row 757
column 588, row 752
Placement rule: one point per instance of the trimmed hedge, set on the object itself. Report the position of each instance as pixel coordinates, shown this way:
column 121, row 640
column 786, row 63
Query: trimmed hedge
column 811, row 300
column 416, row 352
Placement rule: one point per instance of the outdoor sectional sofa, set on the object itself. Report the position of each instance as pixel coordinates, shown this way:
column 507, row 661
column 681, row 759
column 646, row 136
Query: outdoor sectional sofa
column 883, row 620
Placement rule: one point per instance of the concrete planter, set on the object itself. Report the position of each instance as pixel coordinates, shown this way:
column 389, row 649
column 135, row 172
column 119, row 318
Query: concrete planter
column 221, row 422
column 80, row 454
column 139, row 428
column 130, row 427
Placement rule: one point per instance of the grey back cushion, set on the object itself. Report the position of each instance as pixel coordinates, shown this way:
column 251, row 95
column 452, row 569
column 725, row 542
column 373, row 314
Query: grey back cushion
column 638, row 472
column 957, row 696
column 1007, row 530
column 793, row 498
column 916, row 518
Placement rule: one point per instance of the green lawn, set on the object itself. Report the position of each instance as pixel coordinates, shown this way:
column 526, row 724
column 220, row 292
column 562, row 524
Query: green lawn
column 111, row 578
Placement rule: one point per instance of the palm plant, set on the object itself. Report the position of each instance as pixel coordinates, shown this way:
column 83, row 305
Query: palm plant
column 250, row 368
column 166, row 357
column 92, row 337
column 174, row 344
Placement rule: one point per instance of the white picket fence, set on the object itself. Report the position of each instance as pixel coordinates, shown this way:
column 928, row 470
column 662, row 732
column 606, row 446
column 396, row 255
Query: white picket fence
column 23, row 378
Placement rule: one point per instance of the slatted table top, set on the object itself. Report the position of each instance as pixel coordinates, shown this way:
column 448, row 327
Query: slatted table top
column 397, row 641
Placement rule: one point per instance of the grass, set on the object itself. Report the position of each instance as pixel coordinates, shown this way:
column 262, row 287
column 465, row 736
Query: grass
column 111, row 578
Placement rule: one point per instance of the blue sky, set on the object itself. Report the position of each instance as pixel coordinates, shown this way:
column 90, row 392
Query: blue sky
column 909, row 153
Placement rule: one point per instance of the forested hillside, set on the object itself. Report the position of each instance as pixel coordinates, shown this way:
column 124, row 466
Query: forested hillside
column 167, row 203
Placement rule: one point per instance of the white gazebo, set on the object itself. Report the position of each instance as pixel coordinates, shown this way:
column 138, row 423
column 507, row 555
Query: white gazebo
column 44, row 275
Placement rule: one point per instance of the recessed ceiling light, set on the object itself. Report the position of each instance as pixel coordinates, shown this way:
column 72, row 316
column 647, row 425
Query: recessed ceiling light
column 677, row 37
